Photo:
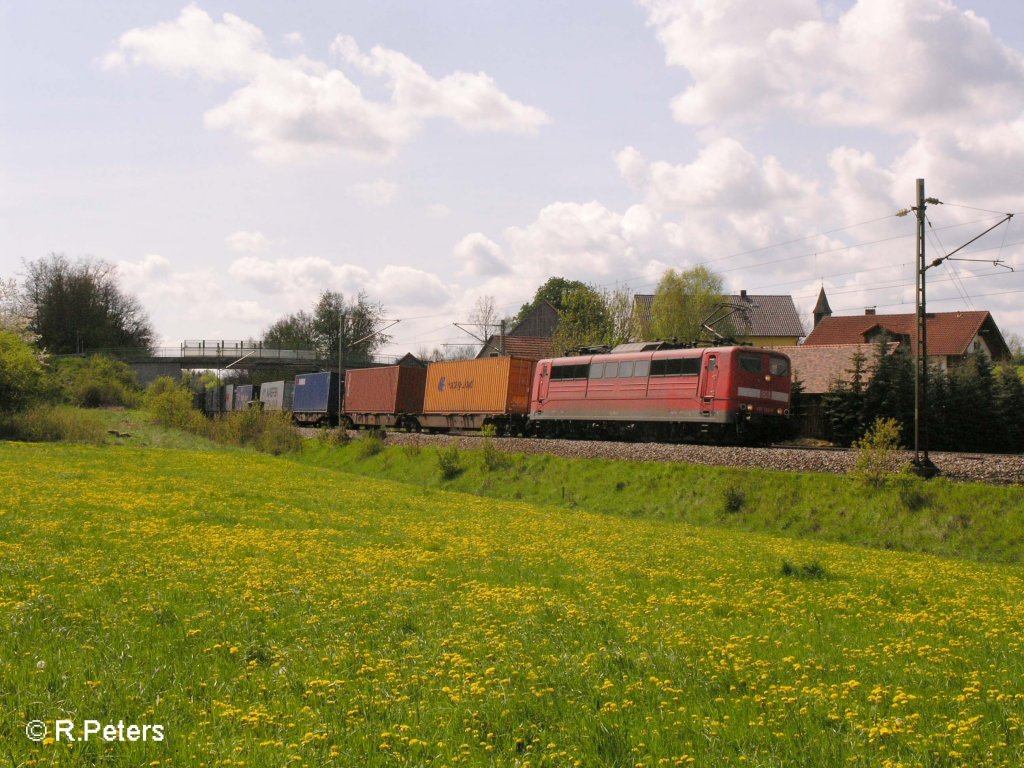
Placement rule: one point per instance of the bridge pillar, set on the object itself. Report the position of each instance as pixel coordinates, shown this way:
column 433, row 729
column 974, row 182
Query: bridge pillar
column 146, row 372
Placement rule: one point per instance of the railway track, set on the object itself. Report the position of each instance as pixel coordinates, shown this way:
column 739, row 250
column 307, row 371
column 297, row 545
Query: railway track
column 999, row 469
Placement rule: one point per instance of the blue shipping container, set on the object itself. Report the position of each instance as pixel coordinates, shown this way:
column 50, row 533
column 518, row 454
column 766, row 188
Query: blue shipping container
column 315, row 398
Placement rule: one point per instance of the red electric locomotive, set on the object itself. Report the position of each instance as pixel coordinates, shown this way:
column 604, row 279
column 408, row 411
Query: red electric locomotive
column 647, row 391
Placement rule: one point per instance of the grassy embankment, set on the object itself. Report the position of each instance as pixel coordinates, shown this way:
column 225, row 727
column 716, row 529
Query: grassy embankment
column 269, row 613
column 969, row 520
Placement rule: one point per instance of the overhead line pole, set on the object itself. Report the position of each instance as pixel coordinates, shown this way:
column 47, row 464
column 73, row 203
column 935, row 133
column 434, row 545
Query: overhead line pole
column 922, row 462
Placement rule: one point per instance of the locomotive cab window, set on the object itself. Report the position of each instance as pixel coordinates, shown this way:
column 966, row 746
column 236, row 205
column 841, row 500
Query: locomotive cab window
column 778, row 366
column 751, row 363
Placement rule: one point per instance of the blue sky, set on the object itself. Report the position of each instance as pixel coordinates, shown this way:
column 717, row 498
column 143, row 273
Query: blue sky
column 234, row 159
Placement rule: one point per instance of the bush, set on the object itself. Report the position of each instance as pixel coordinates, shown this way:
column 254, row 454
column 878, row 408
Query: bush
column 733, row 499
column 494, row 460
column 279, row 434
column 21, row 374
column 449, row 462
column 370, row 444
column 266, row 431
column 334, row 438
column 170, row 404
column 49, row 423
column 97, row 381
column 813, row 570
column 876, row 452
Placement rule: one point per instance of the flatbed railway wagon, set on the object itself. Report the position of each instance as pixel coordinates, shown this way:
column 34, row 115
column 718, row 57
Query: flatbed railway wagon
column 389, row 396
column 715, row 393
column 472, row 394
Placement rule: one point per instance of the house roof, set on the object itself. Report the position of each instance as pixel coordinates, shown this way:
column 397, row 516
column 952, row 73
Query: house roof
column 529, row 347
column 540, row 322
column 762, row 315
column 818, row 367
column 949, row 333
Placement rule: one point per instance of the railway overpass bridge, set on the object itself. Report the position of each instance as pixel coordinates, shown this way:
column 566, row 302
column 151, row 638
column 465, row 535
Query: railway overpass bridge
column 220, row 355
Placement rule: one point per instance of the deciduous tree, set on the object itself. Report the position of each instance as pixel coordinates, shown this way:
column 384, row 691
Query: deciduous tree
column 79, row 306
column 683, row 301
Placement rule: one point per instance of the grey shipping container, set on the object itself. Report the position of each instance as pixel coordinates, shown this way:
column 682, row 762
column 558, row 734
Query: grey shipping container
column 277, row 395
column 243, row 396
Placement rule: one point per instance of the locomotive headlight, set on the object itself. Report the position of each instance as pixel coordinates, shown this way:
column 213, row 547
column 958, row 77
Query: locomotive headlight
column 767, row 377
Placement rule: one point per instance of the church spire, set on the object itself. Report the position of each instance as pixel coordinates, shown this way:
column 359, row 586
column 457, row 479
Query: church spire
column 821, row 309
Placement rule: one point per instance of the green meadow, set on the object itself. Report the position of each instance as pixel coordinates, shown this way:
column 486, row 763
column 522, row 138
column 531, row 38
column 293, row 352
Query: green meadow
column 266, row 611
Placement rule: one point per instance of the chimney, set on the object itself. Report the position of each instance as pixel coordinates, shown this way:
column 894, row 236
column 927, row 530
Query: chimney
column 743, row 294
column 869, row 310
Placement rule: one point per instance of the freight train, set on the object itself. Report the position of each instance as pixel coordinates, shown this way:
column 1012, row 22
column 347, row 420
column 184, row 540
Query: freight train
column 647, row 391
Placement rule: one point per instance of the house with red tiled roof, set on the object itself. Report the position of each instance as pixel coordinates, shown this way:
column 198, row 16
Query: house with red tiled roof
column 952, row 336
column 530, row 338
column 818, row 368
column 761, row 320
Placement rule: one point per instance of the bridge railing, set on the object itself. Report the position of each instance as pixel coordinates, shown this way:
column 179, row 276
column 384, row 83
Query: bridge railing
column 240, row 349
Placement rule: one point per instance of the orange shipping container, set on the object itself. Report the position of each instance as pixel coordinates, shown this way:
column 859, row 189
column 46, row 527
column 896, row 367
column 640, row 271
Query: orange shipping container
column 490, row 385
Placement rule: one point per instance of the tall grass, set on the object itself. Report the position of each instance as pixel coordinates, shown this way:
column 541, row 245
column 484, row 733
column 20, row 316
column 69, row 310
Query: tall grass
column 54, row 423
column 267, row 431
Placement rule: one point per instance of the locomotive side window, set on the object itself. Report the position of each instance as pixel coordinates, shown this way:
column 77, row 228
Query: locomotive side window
column 642, row 367
column 563, row 372
column 778, row 366
column 676, row 366
column 751, row 363
column 626, row 369
column 596, row 370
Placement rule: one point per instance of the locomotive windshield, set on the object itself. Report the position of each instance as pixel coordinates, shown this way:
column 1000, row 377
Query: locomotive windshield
column 779, row 366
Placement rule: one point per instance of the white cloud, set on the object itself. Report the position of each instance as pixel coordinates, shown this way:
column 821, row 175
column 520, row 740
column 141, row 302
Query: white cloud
column 295, row 108
column 437, row 211
column 479, row 256
column 892, row 65
column 307, row 275
column 249, row 242
column 299, row 279
column 378, row 192
column 401, row 286
column 472, row 100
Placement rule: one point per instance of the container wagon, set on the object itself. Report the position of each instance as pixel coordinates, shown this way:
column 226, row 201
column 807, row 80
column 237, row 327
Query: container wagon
column 277, row 395
column 470, row 394
column 227, row 402
column 212, row 401
column 391, row 396
column 315, row 400
column 244, row 395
